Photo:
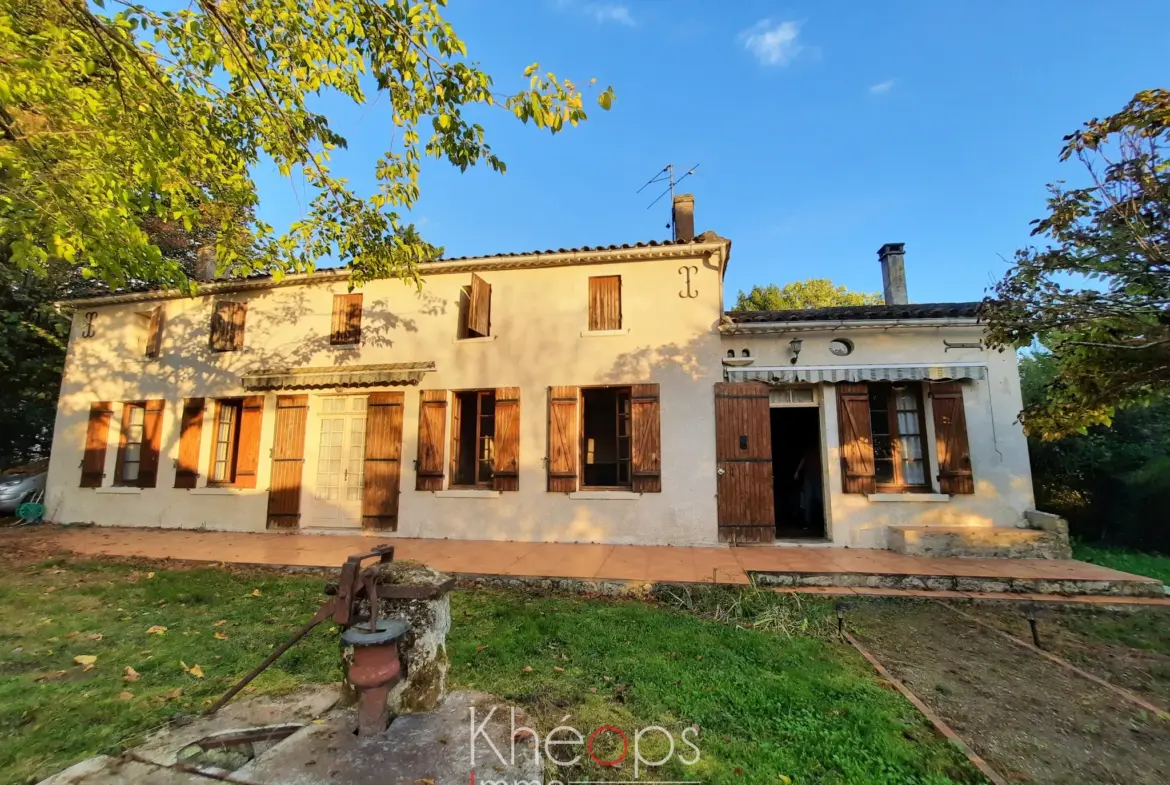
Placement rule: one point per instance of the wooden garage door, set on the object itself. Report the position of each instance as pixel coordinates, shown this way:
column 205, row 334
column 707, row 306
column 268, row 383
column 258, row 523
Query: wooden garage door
column 743, row 454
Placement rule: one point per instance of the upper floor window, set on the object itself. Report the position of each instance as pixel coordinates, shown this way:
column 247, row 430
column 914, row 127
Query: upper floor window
column 151, row 323
column 227, row 326
column 347, row 320
column 605, row 302
column 475, row 309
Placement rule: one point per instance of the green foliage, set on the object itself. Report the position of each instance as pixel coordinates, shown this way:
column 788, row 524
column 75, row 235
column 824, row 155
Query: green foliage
column 1098, row 296
column 1151, row 565
column 810, row 293
column 107, row 116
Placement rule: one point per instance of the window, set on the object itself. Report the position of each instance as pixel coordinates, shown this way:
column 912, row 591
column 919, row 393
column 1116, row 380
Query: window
column 605, row 302
column 150, row 324
column 347, row 319
column 227, row 326
column 606, row 444
column 225, row 442
column 133, row 427
column 473, row 438
column 898, row 428
column 475, row 309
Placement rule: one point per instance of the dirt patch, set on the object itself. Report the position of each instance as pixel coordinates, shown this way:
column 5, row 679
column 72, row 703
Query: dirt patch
column 1032, row 720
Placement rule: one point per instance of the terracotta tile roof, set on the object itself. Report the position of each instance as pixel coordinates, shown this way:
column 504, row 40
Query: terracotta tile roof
column 861, row 312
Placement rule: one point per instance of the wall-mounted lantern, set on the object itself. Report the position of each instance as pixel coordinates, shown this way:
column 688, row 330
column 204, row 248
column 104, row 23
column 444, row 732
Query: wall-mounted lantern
column 794, row 346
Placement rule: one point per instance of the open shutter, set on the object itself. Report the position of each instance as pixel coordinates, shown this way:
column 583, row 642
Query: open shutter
column 93, row 463
column 221, row 327
column 605, row 302
column 248, row 452
column 950, row 433
column 288, row 461
column 347, row 319
column 154, row 332
column 506, row 463
column 646, row 455
column 857, row 472
column 190, row 434
column 383, row 461
column 432, row 424
column 563, row 443
column 152, row 420
column 479, row 308
column 239, row 317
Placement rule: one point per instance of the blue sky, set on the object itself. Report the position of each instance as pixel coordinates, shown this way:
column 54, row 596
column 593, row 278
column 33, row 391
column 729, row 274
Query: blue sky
column 823, row 129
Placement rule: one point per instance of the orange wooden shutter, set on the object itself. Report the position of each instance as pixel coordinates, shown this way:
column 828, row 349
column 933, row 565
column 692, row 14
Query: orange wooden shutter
column 857, row 471
column 563, row 444
column 97, row 434
column 950, row 433
column 432, row 424
column 605, row 302
column 248, row 452
column 479, row 308
column 152, row 420
column 190, row 434
column 646, row 455
column 120, row 457
column 383, row 461
column 154, row 332
column 506, row 464
column 239, row 317
column 288, row 461
column 347, row 319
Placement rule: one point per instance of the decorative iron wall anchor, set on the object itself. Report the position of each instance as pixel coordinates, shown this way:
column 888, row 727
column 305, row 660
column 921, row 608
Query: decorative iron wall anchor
column 88, row 331
column 688, row 293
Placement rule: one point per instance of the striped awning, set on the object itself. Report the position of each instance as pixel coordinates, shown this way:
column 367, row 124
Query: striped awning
column 859, row 373
column 386, row 375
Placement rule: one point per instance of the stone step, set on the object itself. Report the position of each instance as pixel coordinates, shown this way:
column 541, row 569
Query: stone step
column 1135, row 587
column 983, row 542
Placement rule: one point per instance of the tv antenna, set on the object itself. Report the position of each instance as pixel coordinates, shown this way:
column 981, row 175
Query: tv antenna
column 667, row 176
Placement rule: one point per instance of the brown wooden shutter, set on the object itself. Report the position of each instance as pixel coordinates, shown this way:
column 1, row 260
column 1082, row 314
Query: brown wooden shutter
column 239, row 317
column 432, row 424
column 383, row 461
column 190, row 435
column 288, row 462
column 227, row 326
column 479, row 308
column 857, row 472
column 152, row 420
column 248, row 452
column 563, row 441
column 119, row 458
column 154, row 332
column 605, row 302
column 347, row 319
column 646, row 455
column 506, row 466
column 950, row 433
column 97, row 434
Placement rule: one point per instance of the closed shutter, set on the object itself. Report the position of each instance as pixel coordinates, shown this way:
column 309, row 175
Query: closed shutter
column 383, row 461
column 152, row 420
column 857, row 472
column 288, row 462
column 227, row 326
column 432, row 424
column 479, row 308
column 646, row 455
column 563, row 443
column 248, row 452
column 154, row 332
column 190, row 435
column 605, row 302
column 950, row 433
column 97, row 434
column 347, row 319
column 120, row 457
column 506, row 463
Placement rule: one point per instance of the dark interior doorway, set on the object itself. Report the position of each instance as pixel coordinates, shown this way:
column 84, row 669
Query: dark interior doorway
column 797, row 480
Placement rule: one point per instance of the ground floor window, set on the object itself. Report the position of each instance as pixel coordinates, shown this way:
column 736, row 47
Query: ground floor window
column 225, row 441
column 606, row 444
column 133, row 427
column 898, row 426
column 473, row 438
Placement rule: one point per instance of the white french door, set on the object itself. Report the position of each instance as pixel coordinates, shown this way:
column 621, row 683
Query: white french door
column 335, row 499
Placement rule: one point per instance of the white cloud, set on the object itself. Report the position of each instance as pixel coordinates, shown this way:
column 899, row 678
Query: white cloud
column 773, row 43
column 881, row 88
column 610, row 12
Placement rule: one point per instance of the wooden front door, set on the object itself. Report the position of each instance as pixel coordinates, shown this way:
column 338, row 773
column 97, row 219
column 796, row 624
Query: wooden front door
column 743, row 455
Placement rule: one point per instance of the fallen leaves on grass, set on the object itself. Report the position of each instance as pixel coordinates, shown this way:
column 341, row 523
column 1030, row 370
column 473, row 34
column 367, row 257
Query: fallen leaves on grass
column 558, row 669
column 221, row 636
column 255, row 592
column 156, row 629
column 150, row 575
column 194, row 670
column 528, row 669
column 129, row 674
column 53, row 676
column 125, row 696
column 174, row 694
column 86, row 661
column 95, row 636
column 220, row 623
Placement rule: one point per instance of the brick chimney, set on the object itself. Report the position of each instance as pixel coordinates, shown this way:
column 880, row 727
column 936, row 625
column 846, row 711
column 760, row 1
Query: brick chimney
column 893, row 261
column 683, row 216
column 205, row 266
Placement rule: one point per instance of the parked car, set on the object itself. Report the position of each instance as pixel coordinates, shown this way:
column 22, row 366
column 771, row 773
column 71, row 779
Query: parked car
column 18, row 486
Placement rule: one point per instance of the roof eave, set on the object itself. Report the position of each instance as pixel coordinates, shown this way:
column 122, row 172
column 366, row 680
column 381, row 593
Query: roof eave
column 743, row 328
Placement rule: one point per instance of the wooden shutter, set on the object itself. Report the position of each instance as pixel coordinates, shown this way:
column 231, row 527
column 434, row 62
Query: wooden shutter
column 479, row 308
column 154, row 332
column 857, row 472
column 288, row 462
column 563, row 441
column 605, row 302
column 190, row 435
column 950, row 433
column 432, row 424
column 506, row 464
column 347, row 319
column 152, row 420
column 745, row 502
column 227, row 326
column 119, row 458
column 646, row 455
column 97, row 434
column 383, row 461
column 248, row 451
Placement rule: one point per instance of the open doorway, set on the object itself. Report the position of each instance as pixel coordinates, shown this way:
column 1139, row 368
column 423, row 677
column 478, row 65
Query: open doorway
column 797, row 481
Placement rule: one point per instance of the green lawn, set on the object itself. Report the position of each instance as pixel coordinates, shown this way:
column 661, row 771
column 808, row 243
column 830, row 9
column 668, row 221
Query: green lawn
column 1151, row 565
column 769, row 707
